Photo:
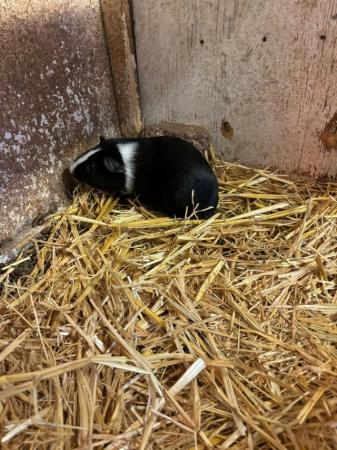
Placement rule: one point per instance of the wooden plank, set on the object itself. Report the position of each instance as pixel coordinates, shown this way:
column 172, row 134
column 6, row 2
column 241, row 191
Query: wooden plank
column 119, row 39
column 266, row 67
column 56, row 100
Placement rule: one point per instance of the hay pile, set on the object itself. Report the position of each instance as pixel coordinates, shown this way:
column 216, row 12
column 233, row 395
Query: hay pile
column 122, row 330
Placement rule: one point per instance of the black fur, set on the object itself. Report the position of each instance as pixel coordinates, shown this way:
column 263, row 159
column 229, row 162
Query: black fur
column 167, row 171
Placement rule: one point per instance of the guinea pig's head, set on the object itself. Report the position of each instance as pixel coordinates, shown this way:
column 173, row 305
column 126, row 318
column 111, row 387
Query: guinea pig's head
column 100, row 168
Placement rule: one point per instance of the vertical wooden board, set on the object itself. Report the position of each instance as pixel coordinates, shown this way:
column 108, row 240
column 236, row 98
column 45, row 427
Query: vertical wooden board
column 269, row 68
column 56, row 99
column 119, row 38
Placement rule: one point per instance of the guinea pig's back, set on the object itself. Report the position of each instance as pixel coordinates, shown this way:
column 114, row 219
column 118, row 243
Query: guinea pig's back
column 172, row 169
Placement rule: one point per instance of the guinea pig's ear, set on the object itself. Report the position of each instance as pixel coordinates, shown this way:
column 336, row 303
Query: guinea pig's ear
column 112, row 165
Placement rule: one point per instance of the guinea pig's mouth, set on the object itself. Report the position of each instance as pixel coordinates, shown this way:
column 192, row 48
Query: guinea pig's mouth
column 69, row 182
column 73, row 176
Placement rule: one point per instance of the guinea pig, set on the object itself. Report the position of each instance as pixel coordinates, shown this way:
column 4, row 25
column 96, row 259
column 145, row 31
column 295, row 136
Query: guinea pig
column 166, row 173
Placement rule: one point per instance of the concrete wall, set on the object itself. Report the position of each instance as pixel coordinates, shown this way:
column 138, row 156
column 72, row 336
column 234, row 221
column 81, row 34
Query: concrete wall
column 56, row 98
column 268, row 68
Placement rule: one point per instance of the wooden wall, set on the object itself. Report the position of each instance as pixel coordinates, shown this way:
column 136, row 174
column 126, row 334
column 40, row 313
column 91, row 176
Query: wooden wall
column 56, row 99
column 67, row 76
column 269, row 68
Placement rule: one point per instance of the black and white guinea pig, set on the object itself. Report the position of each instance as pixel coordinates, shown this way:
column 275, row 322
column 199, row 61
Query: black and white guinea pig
column 167, row 173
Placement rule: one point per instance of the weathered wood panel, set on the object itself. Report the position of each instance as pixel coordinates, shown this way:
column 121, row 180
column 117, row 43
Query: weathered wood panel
column 269, row 68
column 56, row 99
column 119, row 37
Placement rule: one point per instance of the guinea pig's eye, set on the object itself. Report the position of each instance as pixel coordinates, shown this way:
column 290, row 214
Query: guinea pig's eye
column 91, row 165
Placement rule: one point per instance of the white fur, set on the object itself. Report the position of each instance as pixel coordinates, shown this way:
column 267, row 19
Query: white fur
column 127, row 152
column 83, row 158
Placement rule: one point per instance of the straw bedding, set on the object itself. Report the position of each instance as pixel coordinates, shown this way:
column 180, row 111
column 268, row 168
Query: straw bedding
column 121, row 329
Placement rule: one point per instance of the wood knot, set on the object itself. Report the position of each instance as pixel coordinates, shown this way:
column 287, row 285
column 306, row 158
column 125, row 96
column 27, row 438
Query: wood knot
column 227, row 130
column 329, row 134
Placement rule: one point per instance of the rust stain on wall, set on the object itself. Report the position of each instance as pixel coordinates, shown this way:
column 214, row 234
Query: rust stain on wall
column 227, row 130
column 329, row 134
column 56, row 98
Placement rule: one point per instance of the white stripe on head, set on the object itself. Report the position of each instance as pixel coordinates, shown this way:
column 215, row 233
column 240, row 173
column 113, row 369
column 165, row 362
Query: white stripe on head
column 81, row 159
column 127, row 151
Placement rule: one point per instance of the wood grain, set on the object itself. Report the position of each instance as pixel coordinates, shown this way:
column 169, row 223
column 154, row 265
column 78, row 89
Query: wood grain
column 118, row 33
column 267, row 68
